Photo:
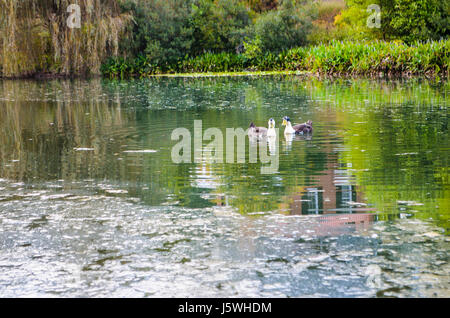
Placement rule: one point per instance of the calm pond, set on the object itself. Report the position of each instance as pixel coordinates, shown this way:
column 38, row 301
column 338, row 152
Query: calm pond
column 92, row 203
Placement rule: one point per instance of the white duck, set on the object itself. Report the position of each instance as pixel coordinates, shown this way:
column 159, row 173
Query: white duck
column 288, row 130
column 300, row 129
column 271, row 131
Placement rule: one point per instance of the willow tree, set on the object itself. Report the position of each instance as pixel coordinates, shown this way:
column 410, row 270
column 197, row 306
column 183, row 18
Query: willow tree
column 35, row 36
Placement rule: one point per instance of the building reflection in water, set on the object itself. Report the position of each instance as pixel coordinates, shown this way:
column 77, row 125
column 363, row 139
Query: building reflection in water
column 335, row 199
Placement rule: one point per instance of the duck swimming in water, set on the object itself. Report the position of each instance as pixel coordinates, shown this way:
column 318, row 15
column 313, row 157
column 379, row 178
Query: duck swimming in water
column 305, row 128
column 287, row 122
column 254, row 131
column 271, row 131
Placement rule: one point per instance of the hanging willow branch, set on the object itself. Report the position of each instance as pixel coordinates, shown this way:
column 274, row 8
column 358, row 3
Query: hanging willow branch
column 35, row 37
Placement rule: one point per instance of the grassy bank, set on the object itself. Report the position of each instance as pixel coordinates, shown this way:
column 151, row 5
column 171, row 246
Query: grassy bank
column 337, row 58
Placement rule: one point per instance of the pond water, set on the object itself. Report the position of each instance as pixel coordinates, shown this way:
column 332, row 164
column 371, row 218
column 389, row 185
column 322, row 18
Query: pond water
column 92, row 203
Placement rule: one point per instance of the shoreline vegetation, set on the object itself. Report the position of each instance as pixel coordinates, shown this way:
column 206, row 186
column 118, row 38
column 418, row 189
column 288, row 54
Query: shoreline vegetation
column 143, row 38
column 335, row 59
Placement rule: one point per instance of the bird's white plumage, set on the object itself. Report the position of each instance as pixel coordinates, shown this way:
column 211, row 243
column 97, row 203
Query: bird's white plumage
column 271, row 131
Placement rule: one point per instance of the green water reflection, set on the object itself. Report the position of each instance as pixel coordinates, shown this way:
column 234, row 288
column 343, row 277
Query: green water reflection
column 379, row 149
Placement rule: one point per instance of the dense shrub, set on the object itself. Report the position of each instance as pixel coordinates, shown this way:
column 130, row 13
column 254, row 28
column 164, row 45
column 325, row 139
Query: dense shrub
column 161, row 30
column 406, row 20
column 219, row 25
column 284, row 28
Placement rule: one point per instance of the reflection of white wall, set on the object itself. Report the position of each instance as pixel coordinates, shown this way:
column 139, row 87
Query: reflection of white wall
column 343, row 179
column 313, row 197
column 204, row 178
column 346, row 193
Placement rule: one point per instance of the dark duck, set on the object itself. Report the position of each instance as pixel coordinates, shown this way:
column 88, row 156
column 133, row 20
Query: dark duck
column 255, row 131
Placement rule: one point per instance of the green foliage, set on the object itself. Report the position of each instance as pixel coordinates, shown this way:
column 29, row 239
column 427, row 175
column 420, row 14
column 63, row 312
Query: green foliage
column 407, row 20
column 253, row 48
column 162, row 30
column 286, row 27
column 420, row 20
column 339, row 57
column 377, row 57
column 120, row 67
column 219, row 25
column 173, row 35
column 219, row 62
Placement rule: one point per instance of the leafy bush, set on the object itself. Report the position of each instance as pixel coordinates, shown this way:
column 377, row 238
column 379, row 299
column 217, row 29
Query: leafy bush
column 162, row 30
column 407, row 20
column 219, row 25
column 420, row 19
column 284, row 28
